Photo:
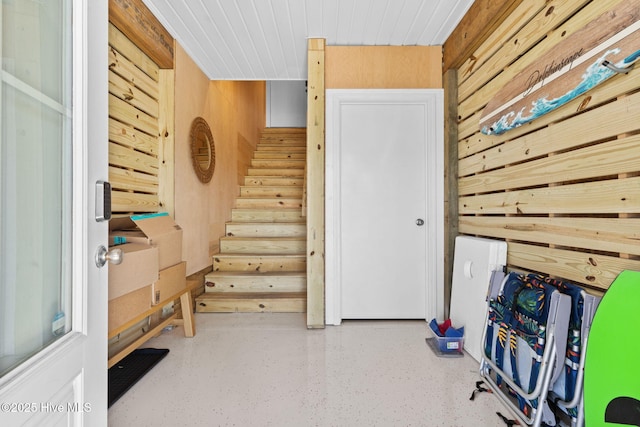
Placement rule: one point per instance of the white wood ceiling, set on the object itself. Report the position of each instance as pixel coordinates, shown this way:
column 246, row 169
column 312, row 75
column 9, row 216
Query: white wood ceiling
column 267, row 39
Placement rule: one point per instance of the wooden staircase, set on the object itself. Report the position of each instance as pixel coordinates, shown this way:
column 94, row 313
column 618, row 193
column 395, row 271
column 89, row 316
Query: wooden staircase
column 261, row 266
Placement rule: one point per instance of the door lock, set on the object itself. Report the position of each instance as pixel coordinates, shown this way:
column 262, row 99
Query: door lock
column 419, row 222
column 103, row 201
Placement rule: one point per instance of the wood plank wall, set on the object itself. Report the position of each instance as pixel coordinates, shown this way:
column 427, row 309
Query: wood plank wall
column 564, row 190
column 134, row 114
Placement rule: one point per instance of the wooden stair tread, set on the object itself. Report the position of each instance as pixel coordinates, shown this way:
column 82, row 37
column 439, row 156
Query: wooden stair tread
column 266, row 238
column 292, row 199
column 275, row 210
column 271, row 191
column 257, row 255
column 278, row 211
column 271, row 187
column 266, row 228
column 283, row 142
column 255, row 282
column 215, row 274
column 252, row 302
column 252, row 295
column 267, row 245
column 297, row 222
column 278, row 163
column 272, row 215
column 291, row 149
column 268, row 202
column 259, row 263
column 275, row 172
column 258, row 181
column 278, row 155
column 285, row 129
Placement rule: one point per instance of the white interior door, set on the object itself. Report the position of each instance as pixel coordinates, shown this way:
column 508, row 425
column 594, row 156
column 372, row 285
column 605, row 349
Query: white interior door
column 53, row 297
column 287, row 103
column 384, row 208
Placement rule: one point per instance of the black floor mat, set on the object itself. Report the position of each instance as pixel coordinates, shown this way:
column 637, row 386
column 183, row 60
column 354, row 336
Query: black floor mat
column 124, row 374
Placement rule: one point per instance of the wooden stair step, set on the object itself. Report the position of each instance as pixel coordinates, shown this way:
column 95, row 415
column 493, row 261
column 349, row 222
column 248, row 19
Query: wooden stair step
column 278, row 148
column 263, row 245
column 284, row 129
column 283, row 135
column 283, row 142
column 279, row 155
column 266, row 229
column 278, row 163
column 255, row 282
column 275, row 172
column 260, row 262
column 268, row 203
column 277, row 136
column 286, row 191
column 252, row 302
column 278, row 214
column 273, row 180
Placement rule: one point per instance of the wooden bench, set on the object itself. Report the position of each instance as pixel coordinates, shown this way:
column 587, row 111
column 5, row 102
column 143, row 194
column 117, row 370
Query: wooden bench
column 187, row 322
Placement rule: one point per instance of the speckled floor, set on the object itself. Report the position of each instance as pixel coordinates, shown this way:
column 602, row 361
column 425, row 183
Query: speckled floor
column 269, row 370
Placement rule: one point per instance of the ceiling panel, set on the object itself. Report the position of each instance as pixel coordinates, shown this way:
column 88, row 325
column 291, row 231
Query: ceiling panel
column 267, row 39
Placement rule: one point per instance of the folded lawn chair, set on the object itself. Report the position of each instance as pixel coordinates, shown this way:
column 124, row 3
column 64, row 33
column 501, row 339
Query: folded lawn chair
column 566, row 393
column 525, row 339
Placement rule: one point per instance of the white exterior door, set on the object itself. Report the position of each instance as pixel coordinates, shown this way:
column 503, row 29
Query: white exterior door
column 384, row 209
column 53, row 297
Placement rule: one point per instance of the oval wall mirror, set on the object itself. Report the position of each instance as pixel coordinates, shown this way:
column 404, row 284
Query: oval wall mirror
column 203, row 151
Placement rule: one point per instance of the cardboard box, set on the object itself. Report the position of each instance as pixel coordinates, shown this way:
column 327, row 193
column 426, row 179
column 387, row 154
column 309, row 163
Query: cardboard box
column 171, row 281
column 139, row 268
column 128, row 306
column 157, row 229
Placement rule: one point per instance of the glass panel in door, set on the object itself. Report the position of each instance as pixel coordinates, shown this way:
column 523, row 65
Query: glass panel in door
column 35, row 178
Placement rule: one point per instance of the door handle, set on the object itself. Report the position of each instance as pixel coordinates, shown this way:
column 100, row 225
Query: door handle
column 103, row 255
column 419, row 222
column 103, row 201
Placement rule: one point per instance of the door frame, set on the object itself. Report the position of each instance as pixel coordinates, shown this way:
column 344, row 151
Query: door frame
column 433, row 102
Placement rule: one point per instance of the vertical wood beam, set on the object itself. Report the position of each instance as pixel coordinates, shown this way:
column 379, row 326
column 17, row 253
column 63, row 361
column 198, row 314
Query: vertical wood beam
column 315, row 184
column 166, row 141
column 450, row 83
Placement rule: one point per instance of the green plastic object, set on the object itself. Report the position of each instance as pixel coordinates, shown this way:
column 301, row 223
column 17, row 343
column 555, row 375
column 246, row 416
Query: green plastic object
column 612, row 364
